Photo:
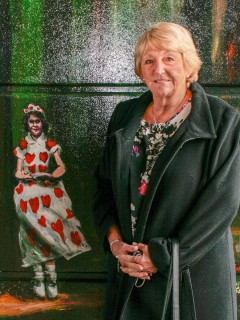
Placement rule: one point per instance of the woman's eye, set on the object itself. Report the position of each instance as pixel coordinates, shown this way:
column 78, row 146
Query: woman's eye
column 169, row 59
column 148, row 61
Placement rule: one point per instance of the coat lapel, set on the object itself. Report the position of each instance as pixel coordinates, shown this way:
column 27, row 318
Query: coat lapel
column 124, row 140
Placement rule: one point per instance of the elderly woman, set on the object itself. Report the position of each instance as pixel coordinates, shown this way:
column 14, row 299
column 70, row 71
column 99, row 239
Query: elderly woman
column 170, row 169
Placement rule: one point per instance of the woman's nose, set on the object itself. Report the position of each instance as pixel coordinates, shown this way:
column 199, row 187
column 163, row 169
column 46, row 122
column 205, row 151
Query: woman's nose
column 159, row 67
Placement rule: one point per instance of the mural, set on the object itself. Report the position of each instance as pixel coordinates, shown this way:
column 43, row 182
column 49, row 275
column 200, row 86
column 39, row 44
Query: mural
column 48, row 228
column 74, row 58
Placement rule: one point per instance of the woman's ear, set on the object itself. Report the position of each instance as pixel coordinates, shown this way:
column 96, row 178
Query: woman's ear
column 188, row 73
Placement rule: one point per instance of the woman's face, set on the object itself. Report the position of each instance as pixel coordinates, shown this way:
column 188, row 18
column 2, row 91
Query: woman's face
column 35, row 126
column 164, row 73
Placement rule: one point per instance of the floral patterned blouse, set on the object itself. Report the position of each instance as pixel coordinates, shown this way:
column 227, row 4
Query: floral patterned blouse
column 149, row 142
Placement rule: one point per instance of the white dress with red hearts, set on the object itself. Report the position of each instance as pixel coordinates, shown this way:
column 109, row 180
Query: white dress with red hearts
column 48, row 228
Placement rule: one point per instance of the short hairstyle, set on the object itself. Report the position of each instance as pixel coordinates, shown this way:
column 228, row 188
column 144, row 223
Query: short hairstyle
column 40, row 115
column 172, row 37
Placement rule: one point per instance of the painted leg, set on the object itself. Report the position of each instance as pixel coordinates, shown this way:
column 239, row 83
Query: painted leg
column 51, row 280
column 38, row 281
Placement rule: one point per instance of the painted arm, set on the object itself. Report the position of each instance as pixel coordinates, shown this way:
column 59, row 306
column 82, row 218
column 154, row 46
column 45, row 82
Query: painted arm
column 19, row 173
column 61, row 168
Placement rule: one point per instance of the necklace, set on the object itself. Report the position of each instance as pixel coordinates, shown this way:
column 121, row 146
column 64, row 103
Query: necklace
column 186, row 100
column 154, row 118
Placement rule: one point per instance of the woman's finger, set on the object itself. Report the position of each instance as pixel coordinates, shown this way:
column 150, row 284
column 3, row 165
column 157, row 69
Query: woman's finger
column 132, row 266
column 136, row 274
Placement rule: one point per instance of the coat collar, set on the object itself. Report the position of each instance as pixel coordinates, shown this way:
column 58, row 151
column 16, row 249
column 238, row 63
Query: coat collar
column 199, row 124
column 199, row 121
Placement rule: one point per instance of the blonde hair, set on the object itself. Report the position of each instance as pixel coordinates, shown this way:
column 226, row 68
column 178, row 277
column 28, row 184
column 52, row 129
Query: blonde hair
column 172, row 37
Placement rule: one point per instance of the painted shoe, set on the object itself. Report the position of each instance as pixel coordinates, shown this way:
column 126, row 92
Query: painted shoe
column 51, row 289
column 39, row 288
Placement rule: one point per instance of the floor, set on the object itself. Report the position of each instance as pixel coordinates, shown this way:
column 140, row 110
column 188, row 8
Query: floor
column 81, row 300
column 77, row 300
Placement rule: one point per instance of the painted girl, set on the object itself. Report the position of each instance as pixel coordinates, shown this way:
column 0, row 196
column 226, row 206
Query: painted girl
column 48, row 228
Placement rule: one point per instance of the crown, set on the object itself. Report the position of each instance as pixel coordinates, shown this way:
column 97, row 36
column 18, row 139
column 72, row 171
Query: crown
column 32, row 107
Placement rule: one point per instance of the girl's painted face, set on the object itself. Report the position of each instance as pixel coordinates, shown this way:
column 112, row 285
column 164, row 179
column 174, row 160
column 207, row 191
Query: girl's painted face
column 35, row 126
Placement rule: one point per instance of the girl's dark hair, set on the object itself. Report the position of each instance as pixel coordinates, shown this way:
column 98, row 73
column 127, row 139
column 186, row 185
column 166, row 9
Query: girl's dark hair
column 40, row 115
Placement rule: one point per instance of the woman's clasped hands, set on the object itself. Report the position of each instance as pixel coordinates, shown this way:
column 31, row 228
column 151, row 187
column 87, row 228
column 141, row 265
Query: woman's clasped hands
column 134, row 259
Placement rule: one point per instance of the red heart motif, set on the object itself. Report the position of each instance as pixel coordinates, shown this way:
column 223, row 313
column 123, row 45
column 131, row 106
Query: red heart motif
column 30, row 183
column 34, row 204
column 45, row 250
column 32, row 168
column 15, row 152
column 58, row 192
column 31, row 235
column 46, row 201
column 58, row 227
column 42, row 168
column 19, row 188
column 50, row 144
column 23, row 205
column 76, row 238
column 23, row 144
column 43, row 156
column 69, row 214
column 42, row 221
column 29, row 157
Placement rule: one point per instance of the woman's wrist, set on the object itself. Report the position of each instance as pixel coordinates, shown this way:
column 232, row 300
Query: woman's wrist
column 112, row 243
column 113, row 237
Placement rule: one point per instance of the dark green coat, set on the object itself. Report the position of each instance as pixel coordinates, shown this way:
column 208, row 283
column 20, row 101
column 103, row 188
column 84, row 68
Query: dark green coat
column 193, row 195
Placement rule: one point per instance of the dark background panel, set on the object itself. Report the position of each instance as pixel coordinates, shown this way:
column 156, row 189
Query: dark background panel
column 78, row 121
column 5, row 42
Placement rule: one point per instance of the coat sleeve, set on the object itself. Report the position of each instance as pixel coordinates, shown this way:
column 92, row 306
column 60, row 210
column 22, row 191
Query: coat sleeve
column 213, row 212
column 104, row 207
